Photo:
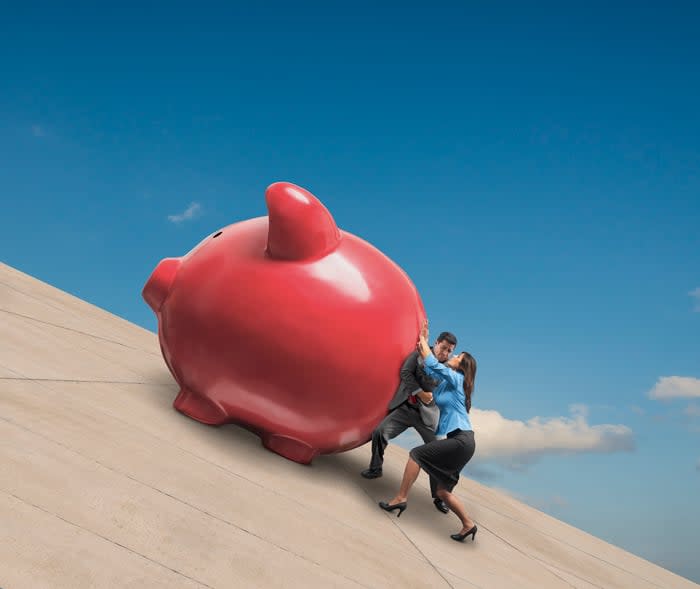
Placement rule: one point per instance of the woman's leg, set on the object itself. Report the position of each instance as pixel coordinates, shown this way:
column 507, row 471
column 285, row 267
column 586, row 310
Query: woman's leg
column 410, row 474
column 457, row 507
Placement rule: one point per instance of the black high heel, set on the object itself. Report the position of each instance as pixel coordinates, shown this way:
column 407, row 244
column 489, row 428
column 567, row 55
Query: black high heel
column 400, row 506
column 461, row 537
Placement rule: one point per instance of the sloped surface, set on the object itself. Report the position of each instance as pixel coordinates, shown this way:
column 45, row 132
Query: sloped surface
column 104, row 484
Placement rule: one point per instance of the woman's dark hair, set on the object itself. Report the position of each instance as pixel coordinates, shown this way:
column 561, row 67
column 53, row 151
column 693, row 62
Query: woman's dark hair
column 467, row 367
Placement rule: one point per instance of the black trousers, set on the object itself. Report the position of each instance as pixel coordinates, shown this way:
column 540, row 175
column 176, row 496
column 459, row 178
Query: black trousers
column 397, row 422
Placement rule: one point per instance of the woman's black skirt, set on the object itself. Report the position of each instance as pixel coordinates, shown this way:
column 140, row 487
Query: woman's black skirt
column 444, row 459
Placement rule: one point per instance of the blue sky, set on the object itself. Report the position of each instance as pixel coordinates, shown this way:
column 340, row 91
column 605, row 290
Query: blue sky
column 535, row 170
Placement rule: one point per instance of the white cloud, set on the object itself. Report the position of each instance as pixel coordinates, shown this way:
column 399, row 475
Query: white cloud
column 696, row 295
column 38, row 131
column 517, row 443
column 676, row 387
column 190, row 213
column 637, row 409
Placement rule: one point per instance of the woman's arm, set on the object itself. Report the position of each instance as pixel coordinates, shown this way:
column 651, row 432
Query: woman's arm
column 431, row 365
column 437, row 370
column 423, row 346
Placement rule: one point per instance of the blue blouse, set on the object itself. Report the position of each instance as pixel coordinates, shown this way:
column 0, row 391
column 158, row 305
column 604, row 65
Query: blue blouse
column 449, row 397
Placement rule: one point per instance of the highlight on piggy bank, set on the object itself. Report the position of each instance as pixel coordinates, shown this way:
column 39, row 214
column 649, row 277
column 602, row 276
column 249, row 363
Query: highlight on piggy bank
column 286, row 325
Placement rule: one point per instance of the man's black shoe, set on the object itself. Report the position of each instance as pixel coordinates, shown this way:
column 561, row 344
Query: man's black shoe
column 440, row 505
column 372, row 473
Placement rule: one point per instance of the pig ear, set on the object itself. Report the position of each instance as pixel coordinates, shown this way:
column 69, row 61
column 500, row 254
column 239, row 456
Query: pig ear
column 300, row 227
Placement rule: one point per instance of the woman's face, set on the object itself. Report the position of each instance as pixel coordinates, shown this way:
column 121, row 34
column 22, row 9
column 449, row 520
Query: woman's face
column 455, row 361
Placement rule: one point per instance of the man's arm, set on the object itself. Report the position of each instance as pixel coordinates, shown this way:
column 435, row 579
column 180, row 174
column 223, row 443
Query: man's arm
column 414, row 378
column 408, row 372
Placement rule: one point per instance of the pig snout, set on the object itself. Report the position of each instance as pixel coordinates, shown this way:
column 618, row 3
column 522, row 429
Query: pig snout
column 158, row 285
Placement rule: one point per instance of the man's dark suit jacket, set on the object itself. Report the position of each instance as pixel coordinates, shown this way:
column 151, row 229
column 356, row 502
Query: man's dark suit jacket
column 413, row 379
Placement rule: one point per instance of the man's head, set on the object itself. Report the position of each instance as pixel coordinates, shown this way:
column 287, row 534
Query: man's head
column 444, row 346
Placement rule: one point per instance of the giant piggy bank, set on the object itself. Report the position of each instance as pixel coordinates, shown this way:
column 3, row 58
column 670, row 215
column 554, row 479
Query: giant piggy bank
column 287, row 326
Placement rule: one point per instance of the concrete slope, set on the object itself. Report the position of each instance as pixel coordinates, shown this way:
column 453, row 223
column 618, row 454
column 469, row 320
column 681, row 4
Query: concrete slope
column 104, row 484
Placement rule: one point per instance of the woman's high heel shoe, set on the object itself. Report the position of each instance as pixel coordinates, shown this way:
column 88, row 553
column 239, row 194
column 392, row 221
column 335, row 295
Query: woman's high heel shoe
column 400, row 506
column 461, row 537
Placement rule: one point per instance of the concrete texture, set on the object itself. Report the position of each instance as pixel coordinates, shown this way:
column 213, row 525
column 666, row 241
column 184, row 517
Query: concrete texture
column 104, row 484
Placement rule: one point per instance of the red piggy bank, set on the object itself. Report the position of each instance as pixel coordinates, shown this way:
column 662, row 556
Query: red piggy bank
column 287, row 326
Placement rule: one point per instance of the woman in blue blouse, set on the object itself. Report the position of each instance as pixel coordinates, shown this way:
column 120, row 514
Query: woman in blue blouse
column 444, row 458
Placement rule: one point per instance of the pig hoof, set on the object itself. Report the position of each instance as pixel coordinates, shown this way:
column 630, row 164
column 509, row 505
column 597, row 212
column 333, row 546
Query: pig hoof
column 290, row 448
column 200, row 408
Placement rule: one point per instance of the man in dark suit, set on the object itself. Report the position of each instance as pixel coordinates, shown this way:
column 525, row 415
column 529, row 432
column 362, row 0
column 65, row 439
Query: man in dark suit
column 412, row 406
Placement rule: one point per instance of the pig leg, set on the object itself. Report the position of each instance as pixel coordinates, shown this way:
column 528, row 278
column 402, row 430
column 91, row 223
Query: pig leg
column 290, row 448
column 200, row 408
